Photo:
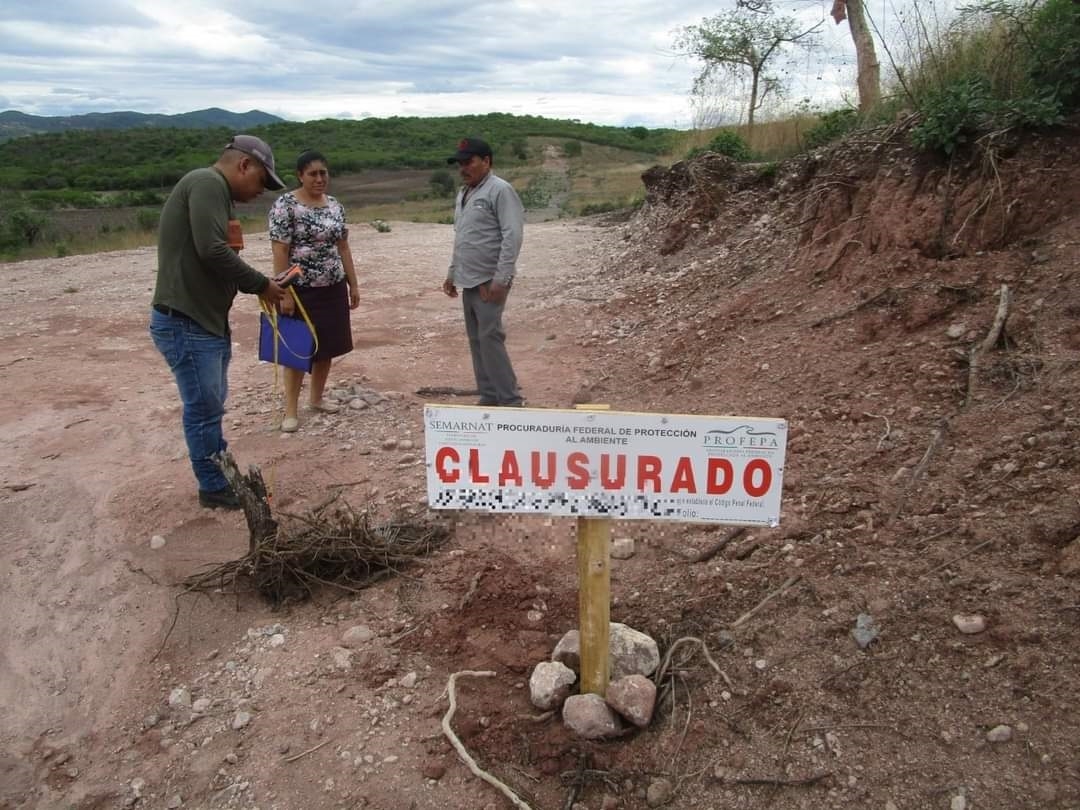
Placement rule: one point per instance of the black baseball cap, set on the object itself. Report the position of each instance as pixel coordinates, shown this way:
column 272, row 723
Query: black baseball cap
column 260, row 150
column 467, row 147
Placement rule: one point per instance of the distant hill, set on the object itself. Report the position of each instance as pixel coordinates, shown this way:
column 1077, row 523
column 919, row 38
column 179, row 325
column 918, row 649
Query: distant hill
column 14, row 124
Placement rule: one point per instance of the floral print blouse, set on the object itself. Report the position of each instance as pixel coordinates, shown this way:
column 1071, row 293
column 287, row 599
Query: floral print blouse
column 312, row 234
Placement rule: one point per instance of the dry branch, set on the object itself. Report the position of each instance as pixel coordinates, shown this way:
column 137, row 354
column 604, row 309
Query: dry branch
column 459, row 746
column 446, row 391
column 970, row 551
column 341, row 548
column 809, row 780
column 978, row 351
column 924, row 462
column 888, row 428
column 750, row 613
column 886, row 297
column 711, row 551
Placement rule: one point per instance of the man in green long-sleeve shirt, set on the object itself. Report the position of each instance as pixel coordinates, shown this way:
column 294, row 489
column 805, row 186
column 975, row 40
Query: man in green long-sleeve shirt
column 199, row 275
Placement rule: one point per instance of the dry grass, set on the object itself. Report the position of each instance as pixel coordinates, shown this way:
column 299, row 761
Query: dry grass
column 770, row 140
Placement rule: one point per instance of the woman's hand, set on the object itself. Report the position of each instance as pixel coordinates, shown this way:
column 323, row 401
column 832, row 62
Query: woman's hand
column 287, row 305
column 354, row 296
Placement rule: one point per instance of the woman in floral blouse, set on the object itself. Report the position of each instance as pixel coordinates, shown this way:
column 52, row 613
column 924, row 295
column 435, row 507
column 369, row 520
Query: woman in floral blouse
column 307, row 228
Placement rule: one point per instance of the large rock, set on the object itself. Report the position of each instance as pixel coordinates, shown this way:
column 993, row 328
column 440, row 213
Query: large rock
column 550, row 684
column 590, row 717
column 633, row 697
column 631, row 652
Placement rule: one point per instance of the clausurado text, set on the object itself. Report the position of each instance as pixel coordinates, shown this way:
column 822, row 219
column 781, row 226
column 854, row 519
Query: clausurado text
column 611, row 472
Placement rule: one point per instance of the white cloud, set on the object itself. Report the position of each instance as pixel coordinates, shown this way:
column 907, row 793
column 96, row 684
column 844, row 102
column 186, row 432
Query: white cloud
column 604, row 61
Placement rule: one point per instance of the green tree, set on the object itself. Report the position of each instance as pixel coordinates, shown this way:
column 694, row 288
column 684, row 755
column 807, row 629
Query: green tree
column 443, row 183
column 742, row 41
column 25, row 227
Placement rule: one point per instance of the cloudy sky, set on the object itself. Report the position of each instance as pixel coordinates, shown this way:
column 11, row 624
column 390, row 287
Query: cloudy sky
column 603, row 61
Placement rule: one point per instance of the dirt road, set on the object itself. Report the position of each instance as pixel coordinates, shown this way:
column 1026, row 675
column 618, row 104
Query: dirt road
column 95, row 467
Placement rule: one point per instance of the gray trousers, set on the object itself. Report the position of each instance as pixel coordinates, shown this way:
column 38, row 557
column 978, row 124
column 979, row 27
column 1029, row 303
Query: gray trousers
column 495, row 377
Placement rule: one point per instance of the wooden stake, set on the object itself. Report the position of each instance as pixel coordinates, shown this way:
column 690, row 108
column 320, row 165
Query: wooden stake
column 594, row 596
column 594, row 602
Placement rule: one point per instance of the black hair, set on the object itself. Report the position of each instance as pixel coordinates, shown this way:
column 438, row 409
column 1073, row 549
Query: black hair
column 307, row 157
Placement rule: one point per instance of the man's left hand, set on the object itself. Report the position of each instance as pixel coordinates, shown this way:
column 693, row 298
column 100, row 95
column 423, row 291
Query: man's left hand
column 493, row 292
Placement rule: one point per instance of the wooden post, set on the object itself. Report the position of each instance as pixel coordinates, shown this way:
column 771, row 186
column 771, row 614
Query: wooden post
column 594, row 597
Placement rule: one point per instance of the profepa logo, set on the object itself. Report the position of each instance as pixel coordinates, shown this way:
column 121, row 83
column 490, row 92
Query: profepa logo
column 741, row 436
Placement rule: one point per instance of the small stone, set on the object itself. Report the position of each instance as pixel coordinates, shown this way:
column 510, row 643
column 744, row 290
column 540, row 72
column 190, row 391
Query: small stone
column 408, row 681
column 341, row 657
column 232, row 758
column 659, row 793
column 969, row 623
column 277, row 640
column 406, row 444
column 180, row 698
column 241, row 720
column 433, row 770
column 999, row 734
column 357, row 635
column 389, row 444
column 201, row 706
column 157, row 541
column 958, row 802
column 865, row 631
column 622, row 548
column 174, row 802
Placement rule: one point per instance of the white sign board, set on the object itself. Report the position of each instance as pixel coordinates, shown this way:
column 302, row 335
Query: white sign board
column 715, row 469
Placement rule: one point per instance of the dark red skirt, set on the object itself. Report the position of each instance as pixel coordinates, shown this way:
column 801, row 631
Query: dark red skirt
column 328, row 308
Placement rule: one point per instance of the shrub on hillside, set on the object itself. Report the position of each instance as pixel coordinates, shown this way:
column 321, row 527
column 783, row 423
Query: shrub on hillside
column 959, row 112
column 443, row 183
column 727, row 143
column 1055, row 50
column 1001, row 64
column 831, row 126
column 147, row 219
column 21, row 228
column 731, row 144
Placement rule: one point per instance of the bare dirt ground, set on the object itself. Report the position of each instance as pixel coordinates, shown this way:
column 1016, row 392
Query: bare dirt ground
column 850, row 294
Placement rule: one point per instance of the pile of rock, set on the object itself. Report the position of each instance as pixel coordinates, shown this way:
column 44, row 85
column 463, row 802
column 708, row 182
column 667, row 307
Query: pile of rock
column 630, row 696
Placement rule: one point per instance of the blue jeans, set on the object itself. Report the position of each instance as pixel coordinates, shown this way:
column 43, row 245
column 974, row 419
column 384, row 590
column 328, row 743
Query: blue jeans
column 200, row 362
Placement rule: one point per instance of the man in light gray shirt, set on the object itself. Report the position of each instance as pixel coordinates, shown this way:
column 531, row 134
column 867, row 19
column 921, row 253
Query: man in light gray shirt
column 489, row 220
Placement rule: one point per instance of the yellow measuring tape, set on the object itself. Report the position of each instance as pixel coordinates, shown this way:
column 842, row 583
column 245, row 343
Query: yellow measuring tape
column 272, row 316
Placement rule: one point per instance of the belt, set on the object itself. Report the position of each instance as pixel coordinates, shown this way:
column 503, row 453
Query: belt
column 175, row 313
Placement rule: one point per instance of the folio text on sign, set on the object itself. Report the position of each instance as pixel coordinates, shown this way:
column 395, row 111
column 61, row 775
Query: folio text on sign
column 610, row 464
